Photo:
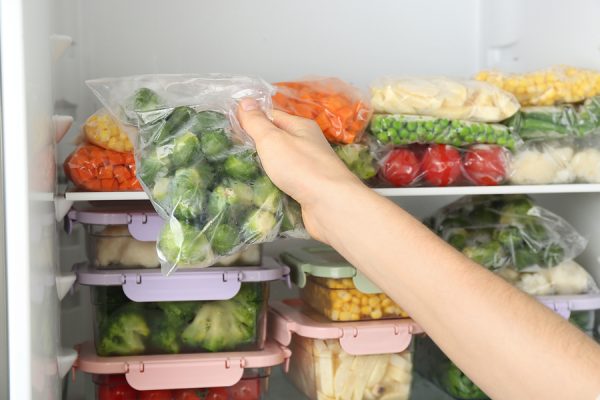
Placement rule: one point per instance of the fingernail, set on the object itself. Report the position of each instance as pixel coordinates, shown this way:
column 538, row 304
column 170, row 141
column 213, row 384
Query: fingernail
column 249, row 104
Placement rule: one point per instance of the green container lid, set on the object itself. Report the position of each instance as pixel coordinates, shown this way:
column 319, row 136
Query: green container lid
column 324, row 262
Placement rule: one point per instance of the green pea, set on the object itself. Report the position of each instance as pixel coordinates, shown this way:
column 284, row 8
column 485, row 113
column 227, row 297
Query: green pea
column 510, row 143
column 469, row 139
column 404, row 133
column 411, row 125
column 397, row 140
column 443, row 122
column 457, row 142
column 502, row 141
column 464, row 131
column 456, row 123
column 429, row 125
column 430, row 137
column 438, row 129
column 397, row 125
column 376, row 124
column 382, row 137
column 476, row 128
column 492, row 138
column 481, row 138
column 391, row 132
column 413, row 138
column 385, row 124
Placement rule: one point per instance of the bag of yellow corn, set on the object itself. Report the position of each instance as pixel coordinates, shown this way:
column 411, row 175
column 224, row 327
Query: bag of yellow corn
column 555, row 85
column 100, row 129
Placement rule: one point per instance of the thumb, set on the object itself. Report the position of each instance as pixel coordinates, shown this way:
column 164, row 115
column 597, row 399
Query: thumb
column 254, row 121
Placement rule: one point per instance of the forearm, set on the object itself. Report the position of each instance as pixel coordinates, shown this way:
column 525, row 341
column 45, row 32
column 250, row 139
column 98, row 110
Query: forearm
column 480, row 321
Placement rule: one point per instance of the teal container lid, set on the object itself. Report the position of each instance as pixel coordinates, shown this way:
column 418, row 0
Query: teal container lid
column 324, row 262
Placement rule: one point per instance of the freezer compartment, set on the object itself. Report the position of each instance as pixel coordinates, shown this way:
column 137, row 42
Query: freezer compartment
column 322, row 370
column 253, row 386
column 340, row 300
column 123, row 327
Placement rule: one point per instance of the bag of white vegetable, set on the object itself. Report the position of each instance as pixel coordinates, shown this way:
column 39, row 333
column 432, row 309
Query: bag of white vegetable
column 507, row 232
column 542, row 162
column 199, row 168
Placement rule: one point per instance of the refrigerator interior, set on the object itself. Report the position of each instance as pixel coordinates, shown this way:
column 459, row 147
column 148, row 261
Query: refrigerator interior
column 352, row 39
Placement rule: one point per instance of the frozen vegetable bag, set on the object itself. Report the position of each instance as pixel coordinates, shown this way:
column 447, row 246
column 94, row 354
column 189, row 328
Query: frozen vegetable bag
column 197, row 165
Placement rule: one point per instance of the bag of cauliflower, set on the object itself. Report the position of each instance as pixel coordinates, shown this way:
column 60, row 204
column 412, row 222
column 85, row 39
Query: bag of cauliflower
column 507, row 231
column 443, row 98
column 199, row 168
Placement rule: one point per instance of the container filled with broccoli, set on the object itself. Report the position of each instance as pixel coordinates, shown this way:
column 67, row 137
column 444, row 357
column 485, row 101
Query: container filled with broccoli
column 200, row 170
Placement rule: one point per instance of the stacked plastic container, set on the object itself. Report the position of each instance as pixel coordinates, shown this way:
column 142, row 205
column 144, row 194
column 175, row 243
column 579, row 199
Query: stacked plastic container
column 348, row 340
column 201, row 331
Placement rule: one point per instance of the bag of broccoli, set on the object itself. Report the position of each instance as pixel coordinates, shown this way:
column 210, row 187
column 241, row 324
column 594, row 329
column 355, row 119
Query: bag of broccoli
column 507, row 231
column 199, row 168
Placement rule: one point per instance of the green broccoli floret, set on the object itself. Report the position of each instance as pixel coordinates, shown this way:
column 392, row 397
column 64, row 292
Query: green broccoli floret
column 510, row 237
column 208, row 121
column 123, row 332
column 183, row 243
column 165, row 339
column 457, row 238
column 266, row 195
column 489, row 254
column 214, row 144
column 516, row 212
column 358, row 159
column 483, row 216
column 259, row 226
column 525, row 257
column 242, row 166
column 458, row 385
column 185, row 148
column 225, row 325
column 553, row 255
column 169, row 320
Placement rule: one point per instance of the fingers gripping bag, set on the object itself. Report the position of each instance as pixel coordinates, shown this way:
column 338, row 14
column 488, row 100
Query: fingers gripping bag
column 443, row 98
column 199, row 168
column 507, row 231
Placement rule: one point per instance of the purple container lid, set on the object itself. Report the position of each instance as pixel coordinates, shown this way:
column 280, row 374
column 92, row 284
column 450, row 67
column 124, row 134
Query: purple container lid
column 564, row 304
column 212, row 283
column 143, row 225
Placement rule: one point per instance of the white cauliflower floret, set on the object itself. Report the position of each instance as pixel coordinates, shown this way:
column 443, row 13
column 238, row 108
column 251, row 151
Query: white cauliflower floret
column 116, row 247
column 535, row 283
column 535, row 167
column 586, row 166
column 570, row 278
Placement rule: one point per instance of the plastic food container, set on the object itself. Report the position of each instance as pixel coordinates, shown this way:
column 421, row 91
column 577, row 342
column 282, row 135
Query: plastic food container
column 252, row 386
column 233, row 371
column 120, row 238
column 333, row 287
column 145, row 312
column 350, row 360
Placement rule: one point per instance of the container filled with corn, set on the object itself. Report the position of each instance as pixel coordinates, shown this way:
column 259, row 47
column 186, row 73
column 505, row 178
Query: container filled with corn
column 102, row 130
column 556, row 85
column 334, row 288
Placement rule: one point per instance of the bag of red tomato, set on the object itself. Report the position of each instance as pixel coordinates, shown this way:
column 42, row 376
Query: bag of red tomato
column 444, row 165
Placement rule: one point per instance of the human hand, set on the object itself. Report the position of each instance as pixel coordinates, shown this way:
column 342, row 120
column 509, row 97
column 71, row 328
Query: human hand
column 297, row 158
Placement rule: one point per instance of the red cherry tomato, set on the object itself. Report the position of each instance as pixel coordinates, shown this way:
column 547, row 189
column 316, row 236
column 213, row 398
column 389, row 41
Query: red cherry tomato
column 485, row 165
column 156, row 395
column 218, row 394
column 190, row 394
column 401, row 167
column 441, row 165
column 248, row 389
column 120, row 391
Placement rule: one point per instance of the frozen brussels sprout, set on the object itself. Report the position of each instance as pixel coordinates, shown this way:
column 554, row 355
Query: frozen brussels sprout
column 230, row 196
column 181, row 243
column 224, row 238
column 292, row 216
column 193, row 179
column 185, row 149
column 145, row 99
column 153, row 164
column 175, row 122
column 260, row 225
column 207, row 121
column 214, row 144
column 266, row 195
column 242, row 166
column 160, row 191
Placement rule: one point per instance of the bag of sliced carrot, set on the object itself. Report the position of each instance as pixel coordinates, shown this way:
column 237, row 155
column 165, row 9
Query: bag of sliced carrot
column 340, row 109
column 93, row 168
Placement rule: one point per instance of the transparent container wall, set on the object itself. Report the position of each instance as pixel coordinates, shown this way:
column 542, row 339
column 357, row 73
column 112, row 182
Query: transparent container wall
column 322, row 370
column 253, row 386
column 339, row 300
column 584, row 320
column 113, row 247
column 123, row 327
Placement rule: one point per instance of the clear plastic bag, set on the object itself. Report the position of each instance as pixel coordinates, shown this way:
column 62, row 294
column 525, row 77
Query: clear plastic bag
column 102, row 130
column 442, row 165
column 359, row 159
column 557, row 161
column 95, row 169
column 340, row 109
column 443, row 98
column 556, row 122
column 507, row 231
column 555, row 85
column 409, row 129
column 199, row 168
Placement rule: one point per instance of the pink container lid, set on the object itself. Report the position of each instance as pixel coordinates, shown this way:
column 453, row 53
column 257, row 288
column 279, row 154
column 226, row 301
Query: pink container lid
column 143, row 225
column 181, row 371
column 384, row 336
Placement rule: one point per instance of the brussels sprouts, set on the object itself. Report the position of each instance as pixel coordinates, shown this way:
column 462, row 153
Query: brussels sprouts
column 190, row 206
column 192, row 179
column 229, row 196
column 214, row 143
column 174, row 123
column 224, row 238
column 259, row 226
column 160, row 191
column 145, row 99
column 292, row 216
column 242, row 166
column 266, row 195
column 183, row 243
column 153, row 165
column 185, row 148
column 207, row 121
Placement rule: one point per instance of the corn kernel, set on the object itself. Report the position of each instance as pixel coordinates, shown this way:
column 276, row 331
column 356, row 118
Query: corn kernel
column 364, row 300
column 355, row 317
column 374, row 301
column 355, row 300
column 366, row 310
column 386, row 302
column 376, row 314
column 345, row 316
column 390, row 310
column 335, row 315
column 337, row 304
column 355, row 309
